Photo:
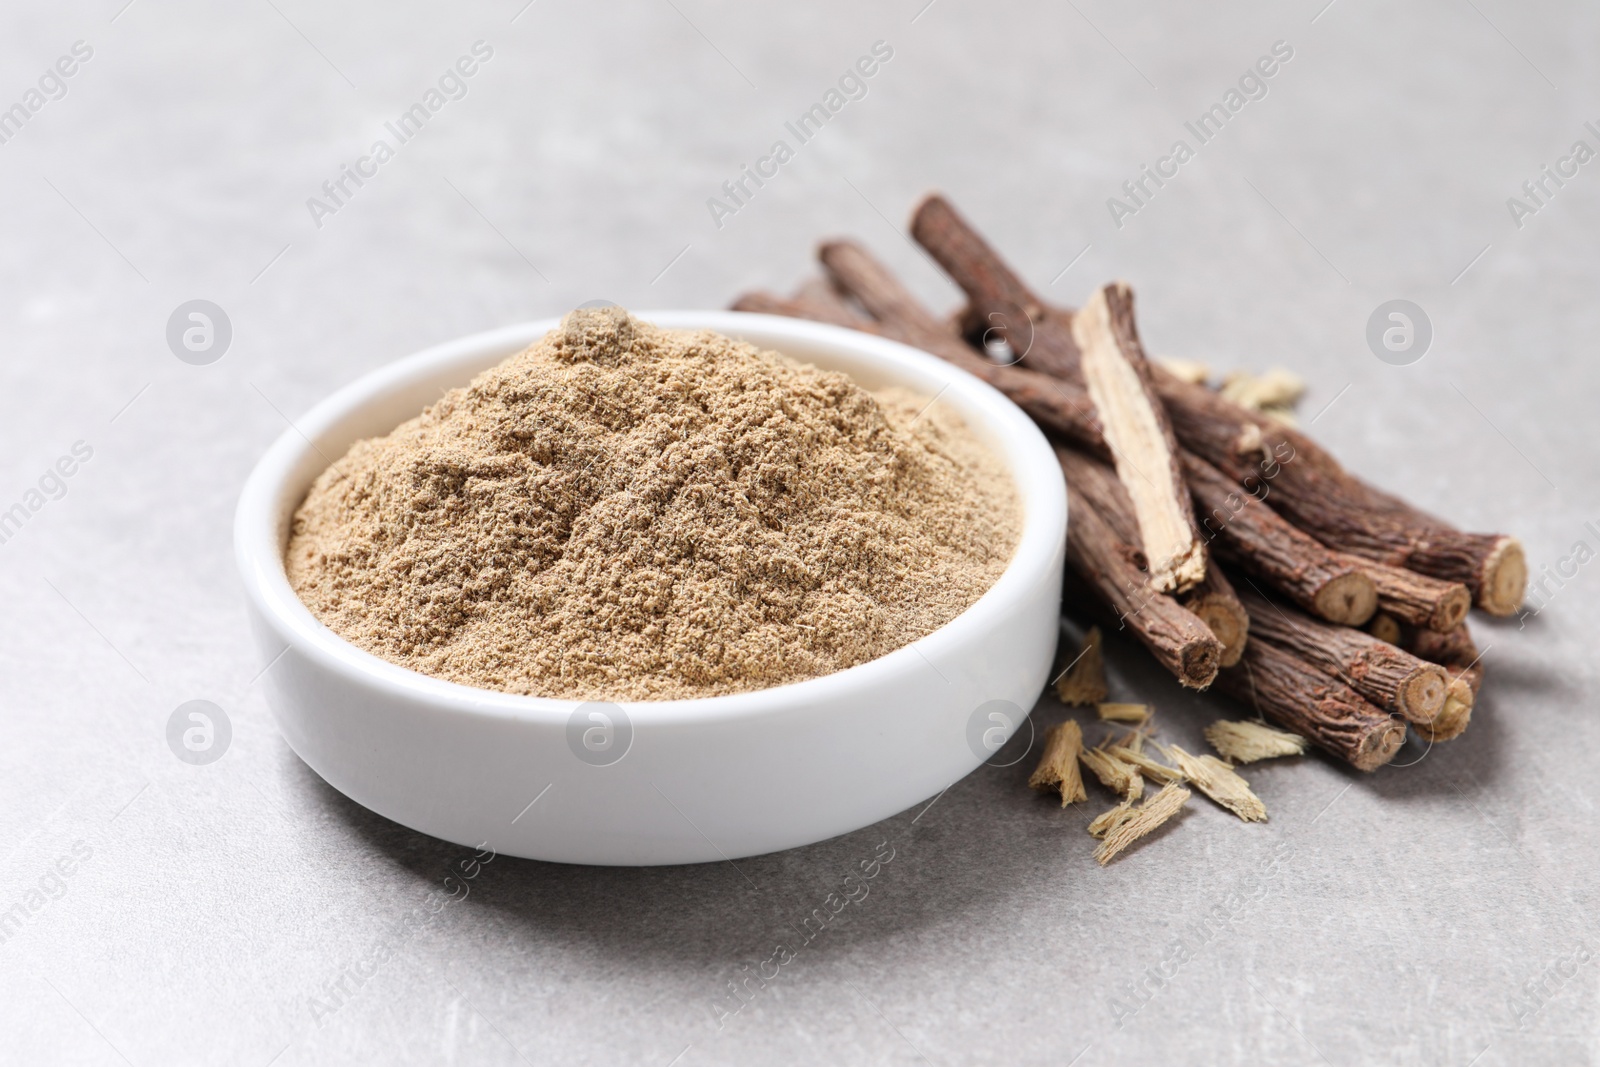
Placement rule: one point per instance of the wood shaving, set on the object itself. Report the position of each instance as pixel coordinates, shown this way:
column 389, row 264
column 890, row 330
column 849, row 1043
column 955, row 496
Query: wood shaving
column 1220, row 782
column 1274, row 390
column 1158, row 772
column 1132, row 740
column 1139, row 821
column 1248, row 741
column 1189, row 370
column 1119, row 777
column 1138, row 714
column 1106, row 821
column 1058, row 767
column 1084, row 681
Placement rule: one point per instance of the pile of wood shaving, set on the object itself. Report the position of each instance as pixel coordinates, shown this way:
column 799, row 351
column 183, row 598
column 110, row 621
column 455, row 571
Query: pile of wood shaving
column 1121, row 764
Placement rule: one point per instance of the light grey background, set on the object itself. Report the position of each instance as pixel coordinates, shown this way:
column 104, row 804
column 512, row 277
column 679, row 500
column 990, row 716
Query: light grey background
column 1405, row 908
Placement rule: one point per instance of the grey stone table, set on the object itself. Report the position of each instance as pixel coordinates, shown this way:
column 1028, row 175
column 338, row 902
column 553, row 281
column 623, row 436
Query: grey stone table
column 243, row 912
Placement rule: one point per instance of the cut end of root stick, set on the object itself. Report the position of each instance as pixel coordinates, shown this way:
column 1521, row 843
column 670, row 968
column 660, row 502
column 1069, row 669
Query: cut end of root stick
column 1453, row 720
column 1380, row 746
column 1137, row 822
column 1224, row 618
column 1246, row 741
column 1348, row 599
column 1451, row 610
column 1422, row 696
column 1200, row 661
column 1505, row 578
column 1084, row 681
column 1385, row 627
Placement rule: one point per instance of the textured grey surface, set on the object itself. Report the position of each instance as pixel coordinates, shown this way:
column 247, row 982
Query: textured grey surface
column 1398, row 918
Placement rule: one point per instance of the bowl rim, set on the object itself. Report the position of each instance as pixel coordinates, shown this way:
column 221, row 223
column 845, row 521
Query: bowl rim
column 1010, row 433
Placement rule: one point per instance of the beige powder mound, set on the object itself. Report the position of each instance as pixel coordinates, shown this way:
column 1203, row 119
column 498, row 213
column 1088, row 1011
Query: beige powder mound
column 628, row 513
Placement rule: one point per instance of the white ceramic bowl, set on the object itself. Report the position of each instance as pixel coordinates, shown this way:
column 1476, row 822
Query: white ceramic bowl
column 665, row 781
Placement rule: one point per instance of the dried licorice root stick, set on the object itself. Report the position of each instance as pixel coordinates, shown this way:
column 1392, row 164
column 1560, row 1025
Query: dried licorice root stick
column 1213, row 600
column 1391, row 678
column 1337, row 508
column 819, row 292
column 804, row 306
column 1456, row 652
column 1140, row 438
column 1100, row 343
column 1417, row 599
column 1320, row 708
column 1330, row 586
column 1060, row 406
column 997, row 298
column 1180, row 641
column 1314, row 492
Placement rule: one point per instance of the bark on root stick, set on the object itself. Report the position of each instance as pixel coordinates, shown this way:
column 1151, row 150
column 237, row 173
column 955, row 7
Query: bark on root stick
column 1213, row 600
column 1455, row 651
column 1056, row 405
column 1180, row 641
column 995, row 294
column 1391, row 678
column 819, row 292
column 1356, row 517
column 1248, row 533
column 1140, row 438
column 1318, row 707
column 1314, row 492
column 1417, row 599
column 805, row 306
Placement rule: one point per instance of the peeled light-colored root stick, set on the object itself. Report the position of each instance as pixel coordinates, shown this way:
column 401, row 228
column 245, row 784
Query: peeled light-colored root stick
column 1140, row 821
column 1390, row 677
column 1058, row 767
column 1179, row 640
column 1247, row 741
column 1140, row 438
column 1213, row 600
column 1253, row 536
column 1320, row 708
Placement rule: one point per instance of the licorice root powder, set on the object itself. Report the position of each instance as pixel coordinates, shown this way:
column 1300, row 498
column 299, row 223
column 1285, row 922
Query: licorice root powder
column 628, row 513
